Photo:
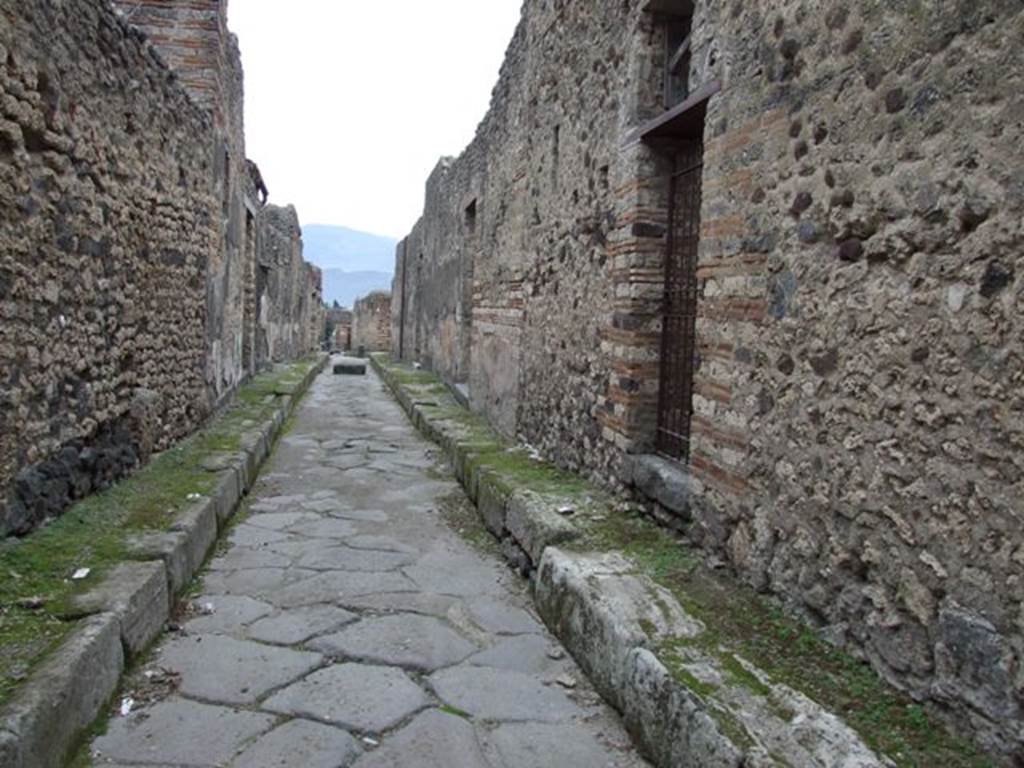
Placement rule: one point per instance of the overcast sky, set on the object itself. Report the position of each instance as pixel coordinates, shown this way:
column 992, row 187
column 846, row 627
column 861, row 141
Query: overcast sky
column 349, row 105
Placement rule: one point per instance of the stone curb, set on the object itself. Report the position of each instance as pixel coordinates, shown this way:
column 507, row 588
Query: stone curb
column 53, row 709
column 532, row 522
column 684, row 702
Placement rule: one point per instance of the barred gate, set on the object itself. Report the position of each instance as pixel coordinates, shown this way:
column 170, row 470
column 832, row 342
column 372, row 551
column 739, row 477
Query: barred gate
column 679, row 356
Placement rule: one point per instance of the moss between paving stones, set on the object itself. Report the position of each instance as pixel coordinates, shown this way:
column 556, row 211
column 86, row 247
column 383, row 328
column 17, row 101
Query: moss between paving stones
column 740, row 622
column 94, row 532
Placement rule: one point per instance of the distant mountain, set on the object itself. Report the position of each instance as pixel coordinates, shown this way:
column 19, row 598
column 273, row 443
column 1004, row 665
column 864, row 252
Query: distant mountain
column 345, row 287
column 347, row 249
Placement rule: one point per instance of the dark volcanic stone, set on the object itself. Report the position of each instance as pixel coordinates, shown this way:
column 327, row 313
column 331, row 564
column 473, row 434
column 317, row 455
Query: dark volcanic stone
column 995, row 279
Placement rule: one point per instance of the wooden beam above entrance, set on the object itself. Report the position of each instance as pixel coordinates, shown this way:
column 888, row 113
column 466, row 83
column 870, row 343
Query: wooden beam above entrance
column 683, row 121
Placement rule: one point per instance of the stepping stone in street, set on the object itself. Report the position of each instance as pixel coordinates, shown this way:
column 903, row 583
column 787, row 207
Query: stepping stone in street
column 350, row 368
column 300, row 743
column 180, row 732
column 498, row 694
column 406, row 640
column 435, row 739
column 230, row 671
column 364, row 698
column 298, row 625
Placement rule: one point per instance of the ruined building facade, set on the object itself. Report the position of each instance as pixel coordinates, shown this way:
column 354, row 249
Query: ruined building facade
column 763, row 263
column 142, row 278
column 371, row 322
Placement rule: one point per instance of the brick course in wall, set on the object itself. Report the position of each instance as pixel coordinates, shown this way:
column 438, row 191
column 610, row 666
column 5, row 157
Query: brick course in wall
column 855, row 441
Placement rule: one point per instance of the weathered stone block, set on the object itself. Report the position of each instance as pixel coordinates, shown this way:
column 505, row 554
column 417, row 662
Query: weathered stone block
column 535, row 524
column 64, row 695
column 492, row 501
column 137, row 594
column 226, row 494
column 664, row 481
column 350, row 369
column 615, row 623
column 184, row 548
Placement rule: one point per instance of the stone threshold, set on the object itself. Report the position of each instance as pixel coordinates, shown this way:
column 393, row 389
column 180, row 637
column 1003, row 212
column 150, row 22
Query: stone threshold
column 684, row 704
column 55, row 707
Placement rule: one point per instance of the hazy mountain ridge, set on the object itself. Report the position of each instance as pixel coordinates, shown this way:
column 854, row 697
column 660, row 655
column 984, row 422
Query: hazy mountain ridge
column 345, row 287
column 354, row 263
column 331, row 247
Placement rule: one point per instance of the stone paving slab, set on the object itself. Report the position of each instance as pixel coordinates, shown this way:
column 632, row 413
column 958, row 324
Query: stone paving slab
column 352, row 626
column 300, row 743
column 433, row 740
column 360, row 697
column 254, row 582
column 542, row 745
column 298, row 625
column 224, row 614
column 501, row 694
column 230, row 671
column 529, row 654
column 334, row 586
column 405, row 640
column 500, row 618
column 180, row 732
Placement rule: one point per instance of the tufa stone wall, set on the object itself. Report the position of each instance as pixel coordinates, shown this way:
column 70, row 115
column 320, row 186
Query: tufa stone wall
column 371, row 322
column 130, row 228
column 856, row 426
column 109, row 210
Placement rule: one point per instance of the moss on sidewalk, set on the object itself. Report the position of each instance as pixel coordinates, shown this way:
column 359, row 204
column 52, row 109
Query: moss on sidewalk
column 35, row 572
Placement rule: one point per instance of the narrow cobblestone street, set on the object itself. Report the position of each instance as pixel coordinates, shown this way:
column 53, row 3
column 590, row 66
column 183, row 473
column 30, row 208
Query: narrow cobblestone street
column 346, row 623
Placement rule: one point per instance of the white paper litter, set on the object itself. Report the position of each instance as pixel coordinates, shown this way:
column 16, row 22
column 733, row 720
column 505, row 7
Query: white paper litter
column 126, row 706
column 194, row 496
column 81, row 573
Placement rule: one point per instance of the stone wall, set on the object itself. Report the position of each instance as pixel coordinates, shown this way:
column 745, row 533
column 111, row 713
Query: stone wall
column 339, row 320
column 371, row 322
column 857, row 422
column 288, row 290
column 129, row 242
column 193, row 39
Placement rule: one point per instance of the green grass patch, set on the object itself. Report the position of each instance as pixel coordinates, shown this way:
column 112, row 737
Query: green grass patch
column 515, row 469
column 35, row 572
